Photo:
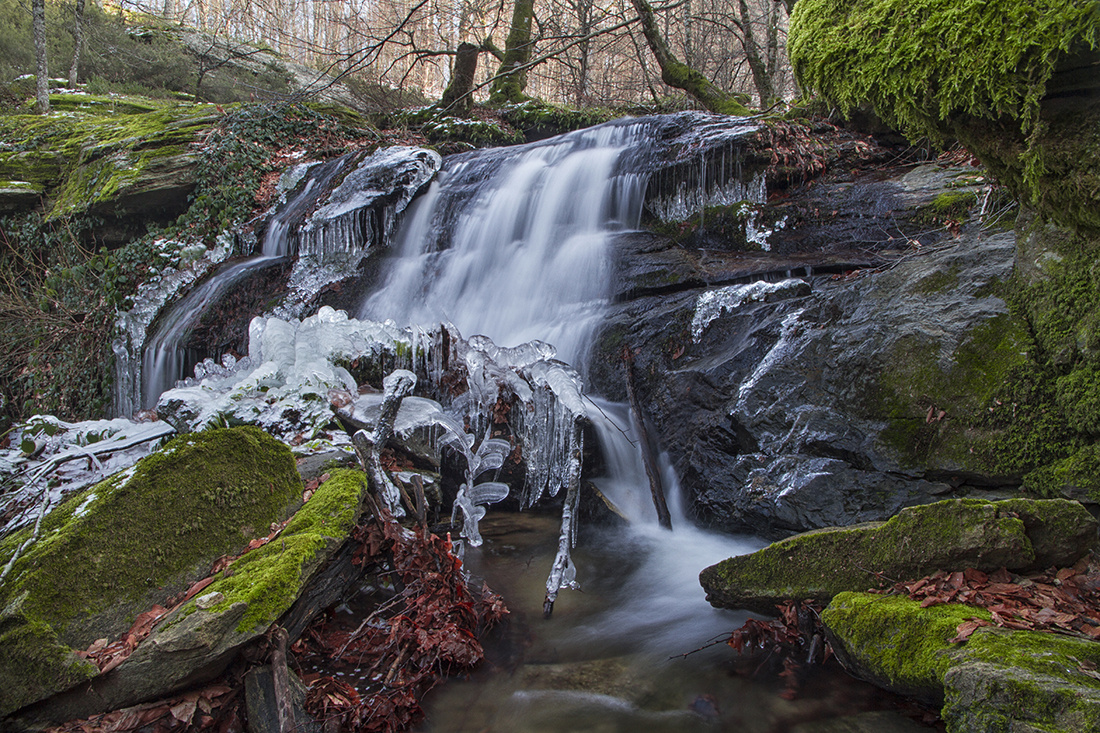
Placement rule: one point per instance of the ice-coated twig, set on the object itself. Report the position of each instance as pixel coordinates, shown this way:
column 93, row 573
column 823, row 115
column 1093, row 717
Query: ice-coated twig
column 563, row 573
column 396, row 387
column 42, row 507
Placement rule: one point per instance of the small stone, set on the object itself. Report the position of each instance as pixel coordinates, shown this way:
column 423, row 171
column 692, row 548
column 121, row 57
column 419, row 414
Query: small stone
column 209, row 600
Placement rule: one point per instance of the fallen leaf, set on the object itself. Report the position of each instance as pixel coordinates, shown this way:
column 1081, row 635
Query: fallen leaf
column 184, row 710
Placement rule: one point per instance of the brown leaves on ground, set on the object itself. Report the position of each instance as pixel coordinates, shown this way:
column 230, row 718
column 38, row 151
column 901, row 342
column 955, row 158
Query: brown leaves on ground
column 214, row 707
column 1065, row 600
column 427, row 629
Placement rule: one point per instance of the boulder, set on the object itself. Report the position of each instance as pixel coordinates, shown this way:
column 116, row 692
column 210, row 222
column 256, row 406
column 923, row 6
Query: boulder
column 200, row 637
column 808, row 406
column 954, row 534
column 132, row 541
column 892, row 642
column 997, row 680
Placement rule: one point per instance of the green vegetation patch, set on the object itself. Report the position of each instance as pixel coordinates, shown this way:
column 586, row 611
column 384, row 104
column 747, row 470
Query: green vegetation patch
column 973, row 69
column 895, row 643
column 111, row 551
column 533, row 114
column 1023, row 680
column 921, row 63
column 269, row 579
column 973, row 389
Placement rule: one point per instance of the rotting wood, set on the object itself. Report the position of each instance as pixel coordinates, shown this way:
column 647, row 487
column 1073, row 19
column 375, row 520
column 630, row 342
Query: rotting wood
column 280, row 675
column 651, row 470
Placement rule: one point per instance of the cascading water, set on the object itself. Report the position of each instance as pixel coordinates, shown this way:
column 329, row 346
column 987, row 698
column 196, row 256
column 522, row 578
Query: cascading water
column 523, row 255
column 166, row 358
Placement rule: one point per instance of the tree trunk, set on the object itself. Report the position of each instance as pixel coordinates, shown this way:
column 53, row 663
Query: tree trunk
column 458, row 97
column 42, row 85
column 583, row 10
column 677, row 74
column 761, row 79
column 78, row 42
column 511, row 77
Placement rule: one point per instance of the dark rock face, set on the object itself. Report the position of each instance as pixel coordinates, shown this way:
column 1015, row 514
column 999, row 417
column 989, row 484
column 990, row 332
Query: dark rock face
column 784, row 382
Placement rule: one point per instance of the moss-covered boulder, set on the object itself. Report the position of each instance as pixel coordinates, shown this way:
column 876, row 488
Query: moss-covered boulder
column 201, row 637
column 129, row 542
column 949, row 535
column 894, row 643
column 1023, row 681
column 1015, row 81
column 997, row 680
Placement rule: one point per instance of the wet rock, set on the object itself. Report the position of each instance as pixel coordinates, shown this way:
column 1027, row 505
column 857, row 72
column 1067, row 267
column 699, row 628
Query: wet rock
column 877, row 721
column 134, row 540
column 949, row 535
column 199, row 638
column 1032, row 694
column 263, row 717
column 845, row 401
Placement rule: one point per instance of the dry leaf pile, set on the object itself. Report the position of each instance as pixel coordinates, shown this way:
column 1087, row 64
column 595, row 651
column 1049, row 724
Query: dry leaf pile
column 428, row 629
column 1065, row 600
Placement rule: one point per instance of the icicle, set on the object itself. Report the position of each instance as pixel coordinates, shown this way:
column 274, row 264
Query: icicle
column 563, row 574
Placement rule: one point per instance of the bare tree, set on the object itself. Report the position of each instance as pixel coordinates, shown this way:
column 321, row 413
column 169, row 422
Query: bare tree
column 511, row 77
column 78, row 42
column 42, row 80
column 677, row 74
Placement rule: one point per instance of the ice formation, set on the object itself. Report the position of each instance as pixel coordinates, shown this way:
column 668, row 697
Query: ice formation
column 711, row 304
column 285, row 383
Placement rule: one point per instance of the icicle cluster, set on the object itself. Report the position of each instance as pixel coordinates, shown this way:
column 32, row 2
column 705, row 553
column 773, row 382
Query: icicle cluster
column 294, row 367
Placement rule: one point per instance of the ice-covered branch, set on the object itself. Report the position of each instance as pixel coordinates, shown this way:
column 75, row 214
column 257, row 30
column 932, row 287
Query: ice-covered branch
column 368, row 446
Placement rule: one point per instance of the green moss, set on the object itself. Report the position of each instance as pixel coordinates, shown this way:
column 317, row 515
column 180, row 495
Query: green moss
column 33, row 663
column 1023, row 680
column 904, row 647
column 920, row 64
column 938, row 281
column 270, row 578
column 534, row 114
column 973, row 388
column 1076, row 476
column 135, row 539
column 974, row 70
column 107, row 553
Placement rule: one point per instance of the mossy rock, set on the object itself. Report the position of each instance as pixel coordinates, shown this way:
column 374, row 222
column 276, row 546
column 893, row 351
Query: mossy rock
column 200, row 638
column 949, row 535
column 894, row 643
column 1023, row 681
column 133, row 540
column 997, row 680
column 1015, row 82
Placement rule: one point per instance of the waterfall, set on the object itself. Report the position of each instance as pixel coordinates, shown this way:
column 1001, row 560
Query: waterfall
column 523, row 255
column 334, row 213
column 166, row 358
column 516, row 244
